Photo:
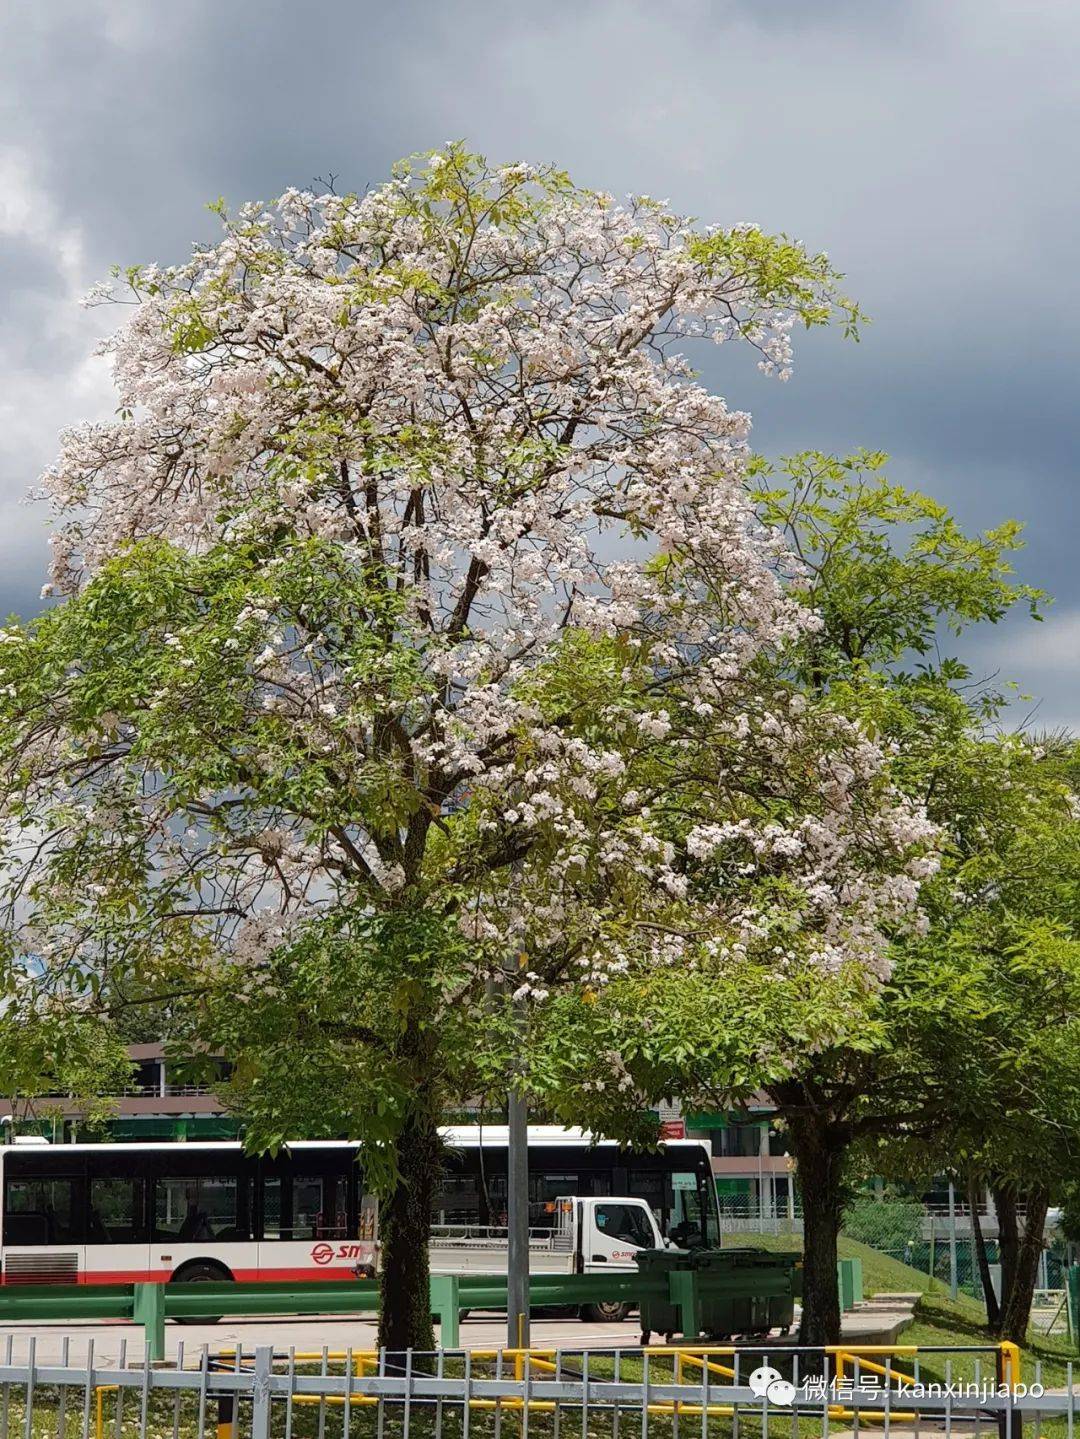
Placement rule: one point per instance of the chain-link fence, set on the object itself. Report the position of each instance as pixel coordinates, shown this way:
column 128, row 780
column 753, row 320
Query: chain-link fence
column 942, row 1245
column 742, row 1214
column 924, row 1238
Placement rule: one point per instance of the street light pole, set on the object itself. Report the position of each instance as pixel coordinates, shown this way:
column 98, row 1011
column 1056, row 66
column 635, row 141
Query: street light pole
column 517, row 1206
column 517, row 1285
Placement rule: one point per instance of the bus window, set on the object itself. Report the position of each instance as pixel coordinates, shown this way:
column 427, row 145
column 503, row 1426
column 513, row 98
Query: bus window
column 116, row 1211
column 40, row 1211
column 544, row 1189
column 648, row 1184
column 710, row 1217
column 458, row 1200
column 310, row 1206
column 319, row 1207
column 272, row 1213
column 193, row 1209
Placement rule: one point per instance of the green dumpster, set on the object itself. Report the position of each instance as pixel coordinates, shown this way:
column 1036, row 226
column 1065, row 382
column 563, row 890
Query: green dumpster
column 797, row 1276
column 779, row 1281
column 719, row 1292
column 726, row 1301
column 659, row 1313
column 745, row 1291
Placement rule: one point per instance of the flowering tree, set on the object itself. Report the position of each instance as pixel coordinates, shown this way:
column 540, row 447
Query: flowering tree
column 414, row 559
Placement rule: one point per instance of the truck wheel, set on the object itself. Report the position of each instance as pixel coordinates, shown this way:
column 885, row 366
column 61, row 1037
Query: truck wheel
column 202, row 1271
column 608, row 1311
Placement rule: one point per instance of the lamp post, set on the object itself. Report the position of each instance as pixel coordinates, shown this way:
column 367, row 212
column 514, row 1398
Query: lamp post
column 517, row 1206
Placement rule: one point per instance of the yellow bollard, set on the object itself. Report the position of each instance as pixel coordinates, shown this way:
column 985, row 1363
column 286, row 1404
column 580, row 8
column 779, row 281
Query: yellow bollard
column 1010, row 1363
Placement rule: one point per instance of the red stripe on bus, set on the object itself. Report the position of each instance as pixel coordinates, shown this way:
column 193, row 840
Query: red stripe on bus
column 242, row 1276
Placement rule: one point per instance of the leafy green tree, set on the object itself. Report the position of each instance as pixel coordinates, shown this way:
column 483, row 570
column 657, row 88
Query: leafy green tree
column 990, row 999
column 56, row 1053
column 888, row 569
column 891, row 575
column 967, row 1055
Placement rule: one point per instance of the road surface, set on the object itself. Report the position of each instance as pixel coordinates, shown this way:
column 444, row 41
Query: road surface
column 116, row 1340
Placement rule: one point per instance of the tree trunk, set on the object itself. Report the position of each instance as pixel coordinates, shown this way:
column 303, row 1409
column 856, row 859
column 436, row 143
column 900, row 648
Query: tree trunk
column 404, row 1232
column 1008, row 1241
column 1016, row 1309
column 993, row 1309
column 819, row 1147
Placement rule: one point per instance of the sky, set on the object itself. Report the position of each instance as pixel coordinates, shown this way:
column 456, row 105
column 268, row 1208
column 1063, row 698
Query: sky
column 929, row 146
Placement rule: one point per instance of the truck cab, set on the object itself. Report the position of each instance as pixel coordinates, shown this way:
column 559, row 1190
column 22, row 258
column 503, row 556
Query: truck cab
column 606, row 1233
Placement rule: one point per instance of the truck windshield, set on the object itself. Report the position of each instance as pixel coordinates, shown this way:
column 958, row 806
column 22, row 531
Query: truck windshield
column 627, row 1222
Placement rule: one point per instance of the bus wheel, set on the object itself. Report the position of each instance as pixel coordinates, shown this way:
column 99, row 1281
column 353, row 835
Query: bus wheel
column 608, row 1311
column 201, row 1271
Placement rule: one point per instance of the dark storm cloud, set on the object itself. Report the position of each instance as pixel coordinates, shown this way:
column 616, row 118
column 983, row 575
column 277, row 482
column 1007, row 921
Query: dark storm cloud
column 929, row 148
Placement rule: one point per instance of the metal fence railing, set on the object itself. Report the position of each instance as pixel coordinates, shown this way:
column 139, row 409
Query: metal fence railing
column 625, row 1393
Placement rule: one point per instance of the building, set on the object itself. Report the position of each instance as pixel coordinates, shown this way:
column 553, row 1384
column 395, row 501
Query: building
column 159, row 1103
column 754, row 1172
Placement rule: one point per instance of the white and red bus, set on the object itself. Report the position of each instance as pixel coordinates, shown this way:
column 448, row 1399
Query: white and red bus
column 119, row 1213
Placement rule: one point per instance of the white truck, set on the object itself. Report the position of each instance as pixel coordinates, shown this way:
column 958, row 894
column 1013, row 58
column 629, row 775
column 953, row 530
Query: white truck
column 589, row 1236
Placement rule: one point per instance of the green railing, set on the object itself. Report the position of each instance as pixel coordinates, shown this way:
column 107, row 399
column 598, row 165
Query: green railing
column 719, row 1292
column 688, row 1293
column 151, row 1304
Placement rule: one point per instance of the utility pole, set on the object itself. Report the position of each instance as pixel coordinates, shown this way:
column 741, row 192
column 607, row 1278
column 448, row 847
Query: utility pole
column 517, row 1206
column 762, row 1146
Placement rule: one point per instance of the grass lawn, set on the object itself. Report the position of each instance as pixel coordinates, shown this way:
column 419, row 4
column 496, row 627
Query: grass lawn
column 881, row 1275
column 941, row 1321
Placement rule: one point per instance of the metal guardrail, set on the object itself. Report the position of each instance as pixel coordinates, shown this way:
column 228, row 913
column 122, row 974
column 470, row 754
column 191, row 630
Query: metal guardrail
column 453, row 1393
column 151, row 1304
column 684, row 1297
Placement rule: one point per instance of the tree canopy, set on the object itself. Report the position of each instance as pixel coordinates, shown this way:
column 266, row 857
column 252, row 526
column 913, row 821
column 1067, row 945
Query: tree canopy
column 417, row 616
column 839, row 1049
column 430, row 639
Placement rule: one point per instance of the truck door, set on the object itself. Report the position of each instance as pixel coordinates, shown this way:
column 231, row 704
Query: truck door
column 613, row 1230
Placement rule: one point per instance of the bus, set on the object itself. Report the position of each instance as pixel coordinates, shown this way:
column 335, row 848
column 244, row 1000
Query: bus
column 172, row 1212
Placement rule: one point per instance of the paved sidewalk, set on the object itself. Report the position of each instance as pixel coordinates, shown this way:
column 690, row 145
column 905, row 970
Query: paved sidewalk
column 306, row 1335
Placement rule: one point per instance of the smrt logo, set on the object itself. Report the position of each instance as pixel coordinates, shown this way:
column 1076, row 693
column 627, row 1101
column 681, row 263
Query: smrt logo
column 324, row 1253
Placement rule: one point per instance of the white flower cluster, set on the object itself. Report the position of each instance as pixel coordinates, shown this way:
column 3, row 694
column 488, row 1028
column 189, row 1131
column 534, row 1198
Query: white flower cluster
column 488, row 427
